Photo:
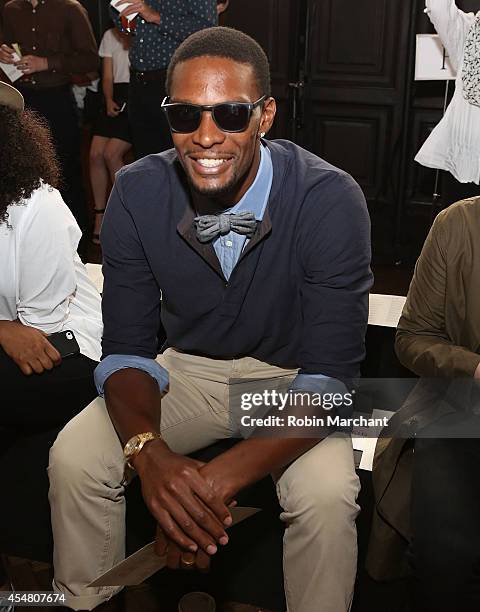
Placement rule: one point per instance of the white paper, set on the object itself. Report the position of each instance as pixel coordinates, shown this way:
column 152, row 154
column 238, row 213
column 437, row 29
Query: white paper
column 119, row 6
column 12, row 72
column 136, row 568
column 385, row 310
column 366, row 444
column 432, row 62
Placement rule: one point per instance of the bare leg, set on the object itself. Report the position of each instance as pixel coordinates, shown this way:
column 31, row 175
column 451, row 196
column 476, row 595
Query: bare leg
column 114, row 153
column 99, row 178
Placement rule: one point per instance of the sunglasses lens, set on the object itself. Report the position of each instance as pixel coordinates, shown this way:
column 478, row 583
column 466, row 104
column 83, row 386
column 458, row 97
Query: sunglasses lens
column 231, row 117
column 183, row 117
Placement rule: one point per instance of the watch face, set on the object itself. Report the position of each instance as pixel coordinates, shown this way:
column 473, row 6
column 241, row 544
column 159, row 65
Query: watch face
column 130, row 446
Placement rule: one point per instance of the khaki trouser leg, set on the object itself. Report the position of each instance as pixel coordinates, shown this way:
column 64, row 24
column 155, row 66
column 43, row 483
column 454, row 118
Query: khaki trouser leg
column 87, row 467
column 317, row 494
column 87, row 506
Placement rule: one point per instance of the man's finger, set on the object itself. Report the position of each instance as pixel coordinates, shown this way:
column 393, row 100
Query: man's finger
column 187, row 560
column 202, row 561
column 204, row 517
column 192, row 529
column 211, row 500
column 8, row 51
column 173, row 556
column 172, row 531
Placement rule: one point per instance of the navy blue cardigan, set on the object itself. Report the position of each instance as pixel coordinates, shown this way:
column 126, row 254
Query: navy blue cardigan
column 298, row 296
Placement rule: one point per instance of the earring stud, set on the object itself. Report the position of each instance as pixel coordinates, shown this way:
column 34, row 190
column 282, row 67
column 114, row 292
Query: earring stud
column 262, row 134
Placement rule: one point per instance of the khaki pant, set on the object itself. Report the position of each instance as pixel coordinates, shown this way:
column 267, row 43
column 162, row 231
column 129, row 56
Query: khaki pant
column 317, row 492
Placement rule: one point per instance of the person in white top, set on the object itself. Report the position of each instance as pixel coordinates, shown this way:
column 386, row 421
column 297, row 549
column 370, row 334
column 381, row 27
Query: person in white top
column 454, row 144
column 111, row 131
column 44, row 286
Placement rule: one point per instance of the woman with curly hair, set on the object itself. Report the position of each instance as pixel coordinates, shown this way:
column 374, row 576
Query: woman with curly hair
column 44, row 286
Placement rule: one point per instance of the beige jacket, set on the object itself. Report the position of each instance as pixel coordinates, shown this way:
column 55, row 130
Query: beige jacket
column 438, row 336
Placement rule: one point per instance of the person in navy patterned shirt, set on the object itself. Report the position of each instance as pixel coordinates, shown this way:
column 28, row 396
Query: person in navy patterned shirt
column 159, row 28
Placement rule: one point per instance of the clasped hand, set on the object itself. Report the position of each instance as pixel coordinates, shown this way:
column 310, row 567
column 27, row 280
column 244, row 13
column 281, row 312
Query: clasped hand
column 190, row 509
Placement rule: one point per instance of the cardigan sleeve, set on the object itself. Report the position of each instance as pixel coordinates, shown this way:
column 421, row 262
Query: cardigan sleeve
column 131, row 297
column 335, row 251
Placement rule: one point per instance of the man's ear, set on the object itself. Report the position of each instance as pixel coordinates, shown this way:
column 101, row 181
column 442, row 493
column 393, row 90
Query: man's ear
column 268, row 116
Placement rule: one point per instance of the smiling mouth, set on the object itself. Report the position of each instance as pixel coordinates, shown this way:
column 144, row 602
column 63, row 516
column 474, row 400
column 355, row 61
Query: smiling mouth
column 210, row 163
column 210, row 166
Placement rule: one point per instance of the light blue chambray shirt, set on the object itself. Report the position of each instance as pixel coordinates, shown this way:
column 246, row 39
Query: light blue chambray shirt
column 230, row 246
column 228, row 249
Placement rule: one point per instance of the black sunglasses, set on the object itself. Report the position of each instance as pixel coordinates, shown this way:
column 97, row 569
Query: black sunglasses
column 228, row 116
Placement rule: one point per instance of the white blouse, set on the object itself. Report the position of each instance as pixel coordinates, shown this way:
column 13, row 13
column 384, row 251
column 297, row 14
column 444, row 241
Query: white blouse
column 112, row 47
column 43, row 282
column 454, row 144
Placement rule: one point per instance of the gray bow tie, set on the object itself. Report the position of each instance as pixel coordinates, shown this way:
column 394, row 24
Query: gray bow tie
column 210, row 226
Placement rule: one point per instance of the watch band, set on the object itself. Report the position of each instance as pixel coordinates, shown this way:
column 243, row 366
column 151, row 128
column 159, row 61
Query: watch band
column 135, row 445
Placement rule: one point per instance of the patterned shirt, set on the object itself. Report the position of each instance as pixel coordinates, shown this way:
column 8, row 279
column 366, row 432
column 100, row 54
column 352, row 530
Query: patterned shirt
column 153, row 45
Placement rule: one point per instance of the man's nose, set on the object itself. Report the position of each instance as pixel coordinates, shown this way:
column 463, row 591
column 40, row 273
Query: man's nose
column 208, row 133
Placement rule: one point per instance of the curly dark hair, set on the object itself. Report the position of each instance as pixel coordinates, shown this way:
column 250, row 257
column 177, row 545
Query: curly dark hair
column 27, row 156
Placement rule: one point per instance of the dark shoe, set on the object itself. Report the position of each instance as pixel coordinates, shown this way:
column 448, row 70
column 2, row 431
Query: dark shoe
column 95, row 236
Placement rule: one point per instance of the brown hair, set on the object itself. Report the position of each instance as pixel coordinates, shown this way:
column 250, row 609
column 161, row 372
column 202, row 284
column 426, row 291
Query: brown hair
column 27, row 156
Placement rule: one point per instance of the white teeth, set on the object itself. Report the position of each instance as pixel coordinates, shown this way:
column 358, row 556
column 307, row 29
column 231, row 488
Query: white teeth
column 211, row 163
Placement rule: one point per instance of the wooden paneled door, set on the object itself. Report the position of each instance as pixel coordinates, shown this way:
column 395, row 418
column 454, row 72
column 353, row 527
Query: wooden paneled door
column 276, row 25
column 339, row 71
column 342, row 75
column 355, row 93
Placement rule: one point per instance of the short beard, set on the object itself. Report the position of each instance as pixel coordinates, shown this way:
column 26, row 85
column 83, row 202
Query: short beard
column 215, row 192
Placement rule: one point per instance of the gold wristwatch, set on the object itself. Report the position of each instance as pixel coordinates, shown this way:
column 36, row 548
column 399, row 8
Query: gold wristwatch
column 135, row 445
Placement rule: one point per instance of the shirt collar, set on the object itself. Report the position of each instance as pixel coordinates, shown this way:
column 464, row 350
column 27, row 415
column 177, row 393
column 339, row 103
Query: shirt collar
column 256, row 197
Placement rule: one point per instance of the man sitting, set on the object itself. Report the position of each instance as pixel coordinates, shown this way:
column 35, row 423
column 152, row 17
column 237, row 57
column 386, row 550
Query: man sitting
column 259, row 255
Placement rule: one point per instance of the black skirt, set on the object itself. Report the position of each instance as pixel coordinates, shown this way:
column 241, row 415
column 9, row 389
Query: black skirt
column 114, row 127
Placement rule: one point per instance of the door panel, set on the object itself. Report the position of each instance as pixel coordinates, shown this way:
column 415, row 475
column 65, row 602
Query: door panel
column 274, row 25
column 353, row 140
column 354, row 97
